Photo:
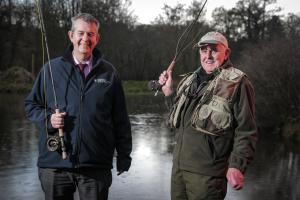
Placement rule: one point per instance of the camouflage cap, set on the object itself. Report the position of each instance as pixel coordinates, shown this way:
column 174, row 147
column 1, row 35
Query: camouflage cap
column 212, row 38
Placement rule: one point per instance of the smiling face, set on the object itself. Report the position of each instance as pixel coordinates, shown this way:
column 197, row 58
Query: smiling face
column 213, row 56
column 84, row 38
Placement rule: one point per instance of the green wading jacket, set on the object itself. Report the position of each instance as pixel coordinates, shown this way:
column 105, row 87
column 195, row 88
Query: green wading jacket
column 215, row 126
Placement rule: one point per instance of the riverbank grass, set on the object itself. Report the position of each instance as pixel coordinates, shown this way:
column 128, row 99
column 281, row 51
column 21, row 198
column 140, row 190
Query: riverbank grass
column 136, row 87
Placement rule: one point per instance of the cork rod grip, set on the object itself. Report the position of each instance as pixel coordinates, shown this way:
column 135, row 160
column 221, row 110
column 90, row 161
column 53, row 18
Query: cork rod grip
column 61, row 137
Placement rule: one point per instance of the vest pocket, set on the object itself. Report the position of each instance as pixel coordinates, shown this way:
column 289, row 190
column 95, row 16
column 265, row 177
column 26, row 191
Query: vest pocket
column 214, row 117
column 220, row 120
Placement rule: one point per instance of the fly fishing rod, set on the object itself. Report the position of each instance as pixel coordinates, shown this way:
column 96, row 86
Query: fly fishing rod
column 181, row 46
column 53, row 143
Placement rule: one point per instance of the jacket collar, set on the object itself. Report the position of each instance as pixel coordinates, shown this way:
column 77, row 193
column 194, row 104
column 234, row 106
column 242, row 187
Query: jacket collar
column 200, row 71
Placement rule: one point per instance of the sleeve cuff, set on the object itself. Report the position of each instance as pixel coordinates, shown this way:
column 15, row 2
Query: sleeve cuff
column 238, row 163
column 123, row 164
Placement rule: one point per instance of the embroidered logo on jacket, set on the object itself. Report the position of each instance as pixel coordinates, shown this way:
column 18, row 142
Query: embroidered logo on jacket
column 101, row 81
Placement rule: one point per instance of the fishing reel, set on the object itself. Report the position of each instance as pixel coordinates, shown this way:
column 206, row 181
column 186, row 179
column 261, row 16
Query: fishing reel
column 56, row 142
column 53, row 143
column 154, row 85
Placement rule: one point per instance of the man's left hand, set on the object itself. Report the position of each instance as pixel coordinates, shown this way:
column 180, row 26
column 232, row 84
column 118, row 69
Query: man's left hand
column 235, row 178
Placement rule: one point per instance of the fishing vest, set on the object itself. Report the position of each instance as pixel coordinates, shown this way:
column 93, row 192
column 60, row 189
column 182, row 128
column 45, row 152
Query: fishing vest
column 213, row 113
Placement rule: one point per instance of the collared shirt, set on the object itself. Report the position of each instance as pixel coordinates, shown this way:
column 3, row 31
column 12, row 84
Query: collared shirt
column 89, row 63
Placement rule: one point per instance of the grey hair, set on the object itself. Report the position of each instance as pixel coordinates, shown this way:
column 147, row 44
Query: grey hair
column 85, row 17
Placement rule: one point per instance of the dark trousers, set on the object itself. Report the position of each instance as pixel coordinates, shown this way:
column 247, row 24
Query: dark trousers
column 61, row 184
column 192, row 186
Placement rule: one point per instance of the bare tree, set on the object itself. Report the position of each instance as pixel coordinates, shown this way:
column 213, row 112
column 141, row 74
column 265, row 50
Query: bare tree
column 247, row 20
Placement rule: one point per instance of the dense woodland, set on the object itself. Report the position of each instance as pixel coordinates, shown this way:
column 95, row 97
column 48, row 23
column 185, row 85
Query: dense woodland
column 264, row 44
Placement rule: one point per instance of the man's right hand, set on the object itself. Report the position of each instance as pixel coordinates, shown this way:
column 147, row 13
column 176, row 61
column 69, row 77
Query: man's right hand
column 57, row 120
column 235, row 178
column 165, row 79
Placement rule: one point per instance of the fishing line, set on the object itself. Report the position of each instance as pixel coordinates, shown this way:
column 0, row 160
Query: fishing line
column 185, row 35
column 43, row 61
column 45, row 41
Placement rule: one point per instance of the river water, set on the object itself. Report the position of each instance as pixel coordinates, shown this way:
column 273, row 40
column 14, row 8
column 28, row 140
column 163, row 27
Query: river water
column 273, row 175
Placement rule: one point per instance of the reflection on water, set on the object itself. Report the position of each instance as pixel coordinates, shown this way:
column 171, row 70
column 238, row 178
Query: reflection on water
column 18, row 152
column 150, row 172
column 274, row 174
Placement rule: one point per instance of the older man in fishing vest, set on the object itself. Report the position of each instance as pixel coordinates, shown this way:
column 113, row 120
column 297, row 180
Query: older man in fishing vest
column 213, row 114
column 88, row 92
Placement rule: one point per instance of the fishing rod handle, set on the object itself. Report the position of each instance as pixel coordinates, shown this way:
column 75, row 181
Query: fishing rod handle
column 171, row 66
column 61, row 136
column 60, row 130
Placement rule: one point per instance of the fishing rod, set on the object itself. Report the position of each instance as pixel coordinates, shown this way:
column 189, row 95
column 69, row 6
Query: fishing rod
column 180, row 48
column 53, row 142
